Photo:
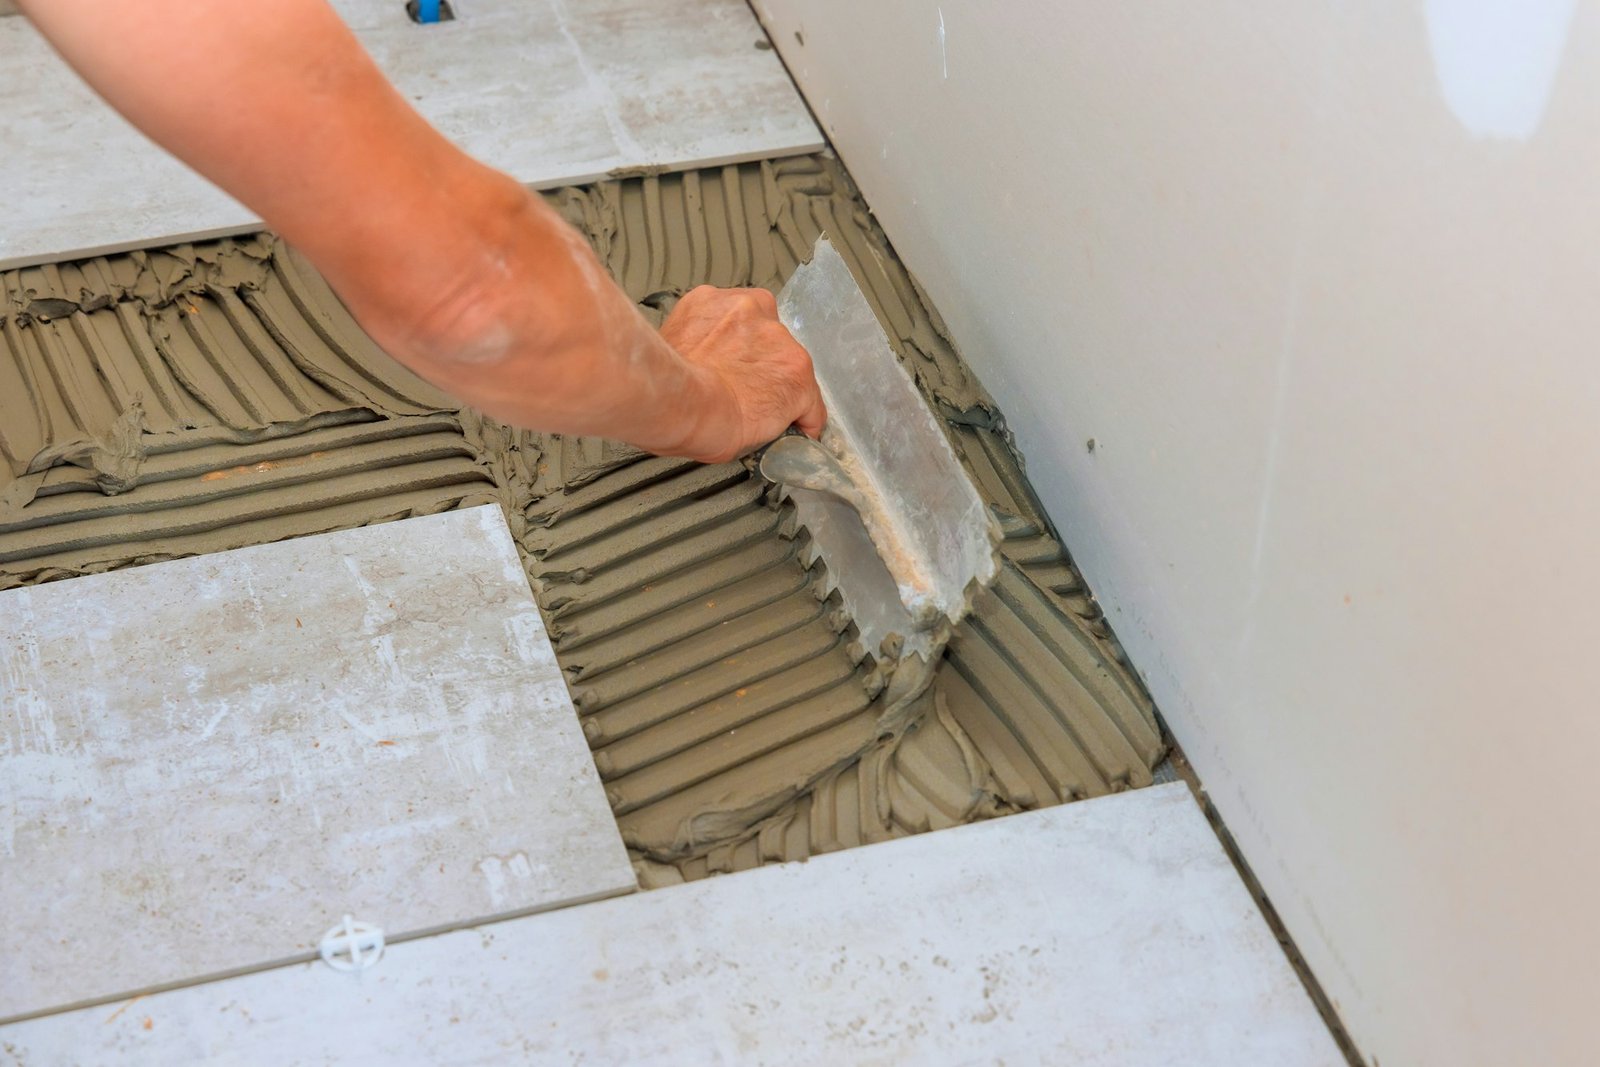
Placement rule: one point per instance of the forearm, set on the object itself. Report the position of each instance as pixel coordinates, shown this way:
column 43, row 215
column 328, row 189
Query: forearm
column 536, row 333
column 431, row 250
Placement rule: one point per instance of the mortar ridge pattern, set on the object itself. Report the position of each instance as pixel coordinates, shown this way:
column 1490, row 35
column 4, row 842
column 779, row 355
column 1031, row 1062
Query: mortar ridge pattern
column 209, row 396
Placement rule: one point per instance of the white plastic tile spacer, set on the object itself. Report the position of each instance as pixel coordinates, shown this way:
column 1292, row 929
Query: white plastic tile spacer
column 351, row 946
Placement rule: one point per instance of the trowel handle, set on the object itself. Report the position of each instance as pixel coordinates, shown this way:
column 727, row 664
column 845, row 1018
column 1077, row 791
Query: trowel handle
column 796, row 460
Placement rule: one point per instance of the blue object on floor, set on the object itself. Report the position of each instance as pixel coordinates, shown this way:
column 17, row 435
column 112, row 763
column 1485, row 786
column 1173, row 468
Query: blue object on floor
column 427, row 10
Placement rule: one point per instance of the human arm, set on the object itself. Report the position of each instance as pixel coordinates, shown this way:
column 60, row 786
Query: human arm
column 454, row 268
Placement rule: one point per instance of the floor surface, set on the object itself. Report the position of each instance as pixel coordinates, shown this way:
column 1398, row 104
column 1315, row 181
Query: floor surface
column 733, row 715
column 205, row 763
column 1103, row 934
column 551, row 91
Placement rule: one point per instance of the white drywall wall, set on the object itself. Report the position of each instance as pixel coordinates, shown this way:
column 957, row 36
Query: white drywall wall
column 1322, row 281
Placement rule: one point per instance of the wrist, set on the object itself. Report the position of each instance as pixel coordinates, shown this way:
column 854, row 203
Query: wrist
column 705, row 418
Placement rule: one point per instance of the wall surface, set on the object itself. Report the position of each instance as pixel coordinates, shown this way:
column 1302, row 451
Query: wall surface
column 1322, row 283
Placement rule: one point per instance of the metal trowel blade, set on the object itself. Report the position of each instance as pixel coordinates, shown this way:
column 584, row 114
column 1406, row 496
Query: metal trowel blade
column 902, row 529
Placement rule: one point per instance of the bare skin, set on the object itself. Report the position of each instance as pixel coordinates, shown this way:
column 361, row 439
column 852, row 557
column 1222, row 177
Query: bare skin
column 454, row 268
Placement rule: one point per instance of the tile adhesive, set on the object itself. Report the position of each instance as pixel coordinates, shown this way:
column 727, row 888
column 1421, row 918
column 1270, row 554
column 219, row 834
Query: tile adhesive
column 209, row 396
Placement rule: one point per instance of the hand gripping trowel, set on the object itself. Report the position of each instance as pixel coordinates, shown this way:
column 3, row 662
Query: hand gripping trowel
column 905, row 537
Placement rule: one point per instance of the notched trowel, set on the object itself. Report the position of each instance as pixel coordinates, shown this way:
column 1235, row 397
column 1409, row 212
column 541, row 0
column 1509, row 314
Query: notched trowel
column 901, row 528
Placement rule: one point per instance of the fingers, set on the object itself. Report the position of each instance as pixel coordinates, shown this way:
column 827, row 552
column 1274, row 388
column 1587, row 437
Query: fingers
column 762, row 300
column 805, row 408
column 814, row 416
column 811, row 412
column 768, row 377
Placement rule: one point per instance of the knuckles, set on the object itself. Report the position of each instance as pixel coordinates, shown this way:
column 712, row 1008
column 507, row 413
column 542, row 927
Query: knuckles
column 709, row 298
